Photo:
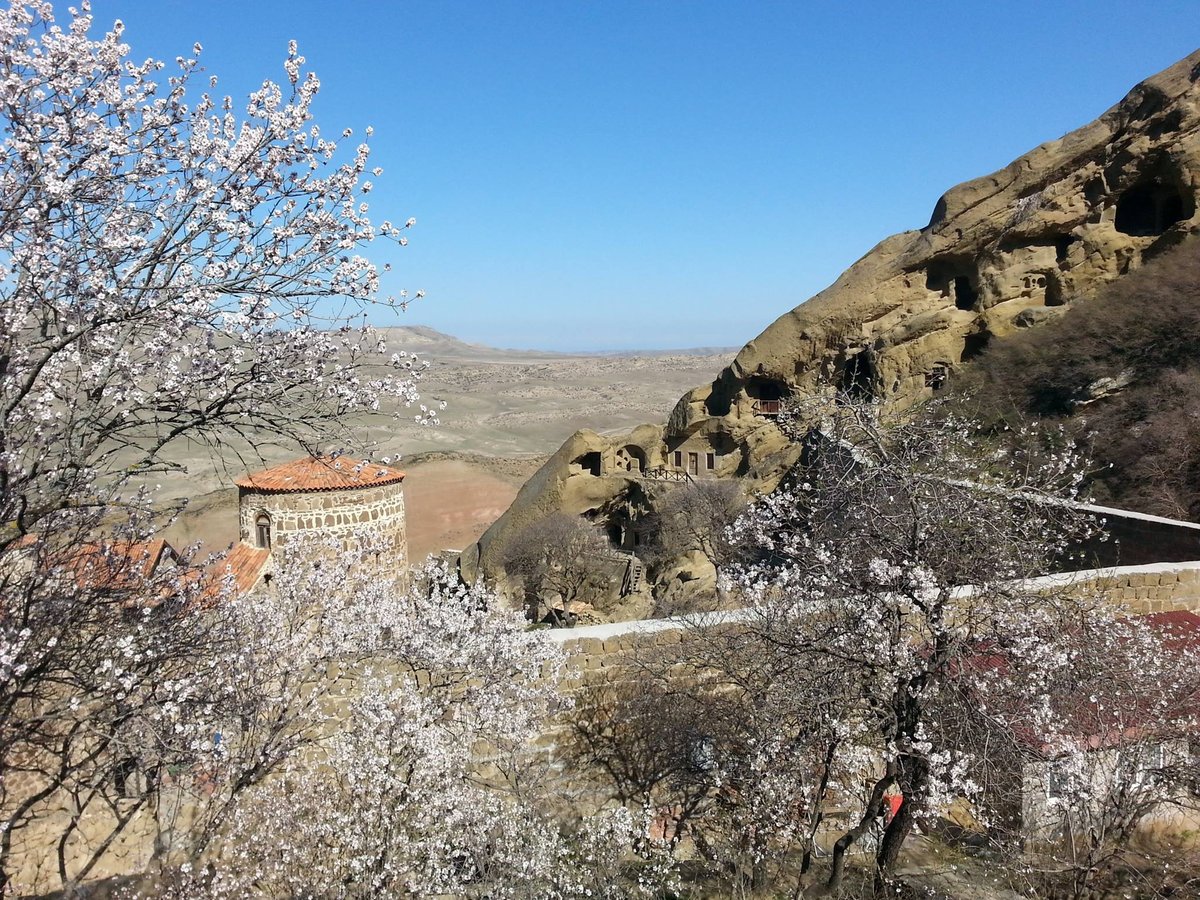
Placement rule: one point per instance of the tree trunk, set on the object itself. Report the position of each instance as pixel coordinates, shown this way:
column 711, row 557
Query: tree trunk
column 816, row 816
column 914, row 775
column 837, row 862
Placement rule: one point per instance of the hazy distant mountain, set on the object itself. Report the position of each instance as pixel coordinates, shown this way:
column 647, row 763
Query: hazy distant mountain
column 429, row 342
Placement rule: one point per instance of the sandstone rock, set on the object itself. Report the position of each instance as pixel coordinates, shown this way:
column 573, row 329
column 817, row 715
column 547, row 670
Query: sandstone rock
column 689, row 584
column 1104, row 387
column 1029, row 318
column 1002, row 252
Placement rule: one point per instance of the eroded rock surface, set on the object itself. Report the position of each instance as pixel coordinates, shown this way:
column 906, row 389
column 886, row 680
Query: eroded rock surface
column 1010, row 250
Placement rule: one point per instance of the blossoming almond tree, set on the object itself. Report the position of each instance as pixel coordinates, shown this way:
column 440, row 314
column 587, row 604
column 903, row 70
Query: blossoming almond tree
column 861, row 567
column 1108, row 760
column 171, row 269
column 380, row 741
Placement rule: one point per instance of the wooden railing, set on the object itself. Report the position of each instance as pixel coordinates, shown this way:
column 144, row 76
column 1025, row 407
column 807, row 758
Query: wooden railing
column 662, row 473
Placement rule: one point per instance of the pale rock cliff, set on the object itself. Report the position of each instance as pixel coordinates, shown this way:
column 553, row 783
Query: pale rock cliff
column 1007, row 251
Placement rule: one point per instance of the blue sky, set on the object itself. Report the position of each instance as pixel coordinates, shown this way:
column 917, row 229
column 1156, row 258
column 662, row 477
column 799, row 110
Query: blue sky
column 614, row 175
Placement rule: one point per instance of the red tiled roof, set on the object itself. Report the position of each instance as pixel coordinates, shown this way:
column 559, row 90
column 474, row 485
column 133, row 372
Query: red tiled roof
column 119, row 565
column 325, row 473
column 1096, row 727
column 244, row 562
column 1178, row 629
column 131, row 571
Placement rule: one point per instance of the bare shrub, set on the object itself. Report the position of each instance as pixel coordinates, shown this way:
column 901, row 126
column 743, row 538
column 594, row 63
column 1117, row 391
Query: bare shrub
column 695, row 518
column 557, row 560
column 1140, row 331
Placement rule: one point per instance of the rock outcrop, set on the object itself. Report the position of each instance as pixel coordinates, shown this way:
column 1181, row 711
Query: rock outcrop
column 1010, row 250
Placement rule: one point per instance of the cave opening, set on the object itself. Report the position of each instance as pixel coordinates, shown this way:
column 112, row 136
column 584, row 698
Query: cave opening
column 1149, row 208
column 965, row 295
column 974, row 344
column 857, row 380
column 631, row 458
column 1054, row 293
column 936, row 377
column 1062, row 247
column 768, row 394
column 589, row 462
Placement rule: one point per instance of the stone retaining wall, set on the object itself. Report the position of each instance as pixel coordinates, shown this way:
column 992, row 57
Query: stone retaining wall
column 610, row 654
column 600, row 652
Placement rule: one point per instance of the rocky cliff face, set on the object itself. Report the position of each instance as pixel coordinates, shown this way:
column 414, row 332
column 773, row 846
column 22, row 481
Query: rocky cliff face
column 1007, row 251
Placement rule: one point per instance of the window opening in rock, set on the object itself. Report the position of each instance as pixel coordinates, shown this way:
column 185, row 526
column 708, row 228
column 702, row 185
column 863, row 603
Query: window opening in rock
column 678, row 459
column 710, row 461
column 767, row 395
column 1062, row 246
column 132, row 782
column 615, row 534
column 936, row 377
column 1149, row 208
column 1054, row 293
column 974, row 345
column 590, row 463
column 262, row 529
column 857, row 381
column 965, row 295
column 631, row 458
column 1057, row 782
column 693, row 463
column 125, row 775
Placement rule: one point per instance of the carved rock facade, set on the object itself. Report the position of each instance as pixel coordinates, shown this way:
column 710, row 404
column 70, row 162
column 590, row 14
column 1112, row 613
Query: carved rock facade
column 1010, row 250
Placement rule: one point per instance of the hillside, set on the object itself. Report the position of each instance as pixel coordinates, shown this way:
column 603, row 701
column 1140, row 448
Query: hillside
column 1123, row 375
column 1008, row 252
column 436, row 345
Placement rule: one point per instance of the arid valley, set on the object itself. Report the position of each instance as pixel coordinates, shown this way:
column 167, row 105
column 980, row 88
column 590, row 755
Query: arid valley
column 505, row 411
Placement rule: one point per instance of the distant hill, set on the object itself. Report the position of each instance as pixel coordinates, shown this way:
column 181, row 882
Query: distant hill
column 434, row 344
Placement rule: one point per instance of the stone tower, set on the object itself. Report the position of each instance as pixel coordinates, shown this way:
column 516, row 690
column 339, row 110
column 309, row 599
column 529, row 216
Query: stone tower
column 346, row 499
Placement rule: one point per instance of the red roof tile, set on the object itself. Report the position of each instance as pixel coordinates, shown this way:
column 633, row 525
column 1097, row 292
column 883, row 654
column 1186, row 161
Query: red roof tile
column 245, row 563
column 119, row 565
column 325, row 473
column 1096, row 727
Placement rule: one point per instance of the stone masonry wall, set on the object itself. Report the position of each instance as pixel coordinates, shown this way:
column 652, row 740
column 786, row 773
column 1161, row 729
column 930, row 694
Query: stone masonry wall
column 600, row 654
column 342, row 514
column 609, row 652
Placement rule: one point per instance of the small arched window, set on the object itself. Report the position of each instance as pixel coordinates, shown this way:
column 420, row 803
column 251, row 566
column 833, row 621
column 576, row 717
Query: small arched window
column 262, row 527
